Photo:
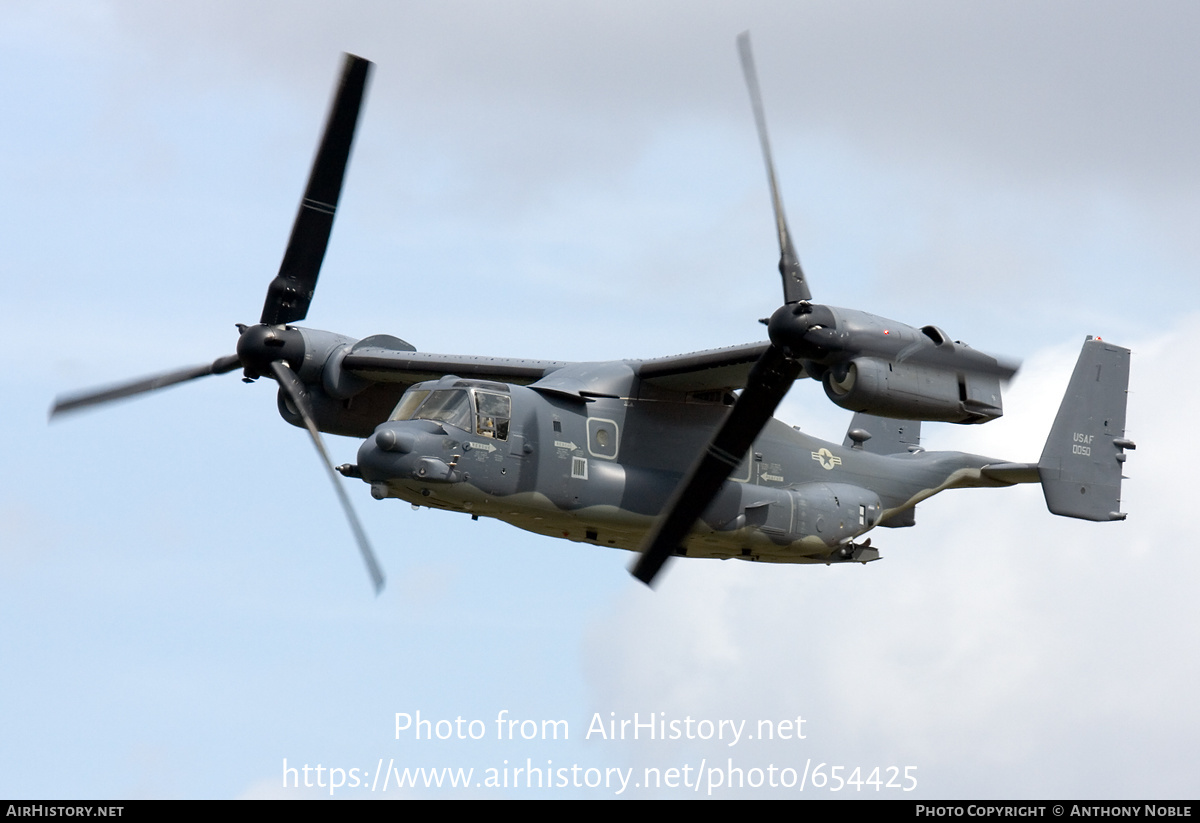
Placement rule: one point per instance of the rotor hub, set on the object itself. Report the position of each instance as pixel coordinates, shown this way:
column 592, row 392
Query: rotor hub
column 804, row 330
column 260, row 345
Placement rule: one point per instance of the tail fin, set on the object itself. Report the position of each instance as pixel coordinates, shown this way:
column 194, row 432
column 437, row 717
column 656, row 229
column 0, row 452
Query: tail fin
column 1080, row 467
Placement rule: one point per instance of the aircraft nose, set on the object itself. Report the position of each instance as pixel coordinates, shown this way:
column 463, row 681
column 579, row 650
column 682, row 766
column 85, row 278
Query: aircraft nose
column 405, row 450
column 383, row 455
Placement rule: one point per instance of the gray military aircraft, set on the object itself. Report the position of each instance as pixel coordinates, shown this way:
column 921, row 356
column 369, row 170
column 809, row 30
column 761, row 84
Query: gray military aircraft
column 669, row 456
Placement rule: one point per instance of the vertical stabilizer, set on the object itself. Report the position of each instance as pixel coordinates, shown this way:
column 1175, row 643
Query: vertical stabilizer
column 1081, row 465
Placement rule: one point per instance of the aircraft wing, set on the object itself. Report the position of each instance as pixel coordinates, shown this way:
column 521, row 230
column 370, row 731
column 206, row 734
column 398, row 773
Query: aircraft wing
column 382, row 358
column 384, row 365
column 390, row 360
column 710, row 370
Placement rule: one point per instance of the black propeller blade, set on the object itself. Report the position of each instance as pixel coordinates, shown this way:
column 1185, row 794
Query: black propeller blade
column 72, row 402
column 795, row 287
column 769, row 381
column 295, row 390
column 291, row 291
column 266, row 347
column 766, row 386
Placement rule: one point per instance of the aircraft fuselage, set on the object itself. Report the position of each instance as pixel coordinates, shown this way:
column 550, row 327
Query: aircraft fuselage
column 600, row 469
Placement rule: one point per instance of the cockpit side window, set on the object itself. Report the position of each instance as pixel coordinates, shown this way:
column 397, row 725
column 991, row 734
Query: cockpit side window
column 493, row 413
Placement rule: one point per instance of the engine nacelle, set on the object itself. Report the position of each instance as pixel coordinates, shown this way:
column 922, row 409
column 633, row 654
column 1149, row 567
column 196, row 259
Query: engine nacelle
column 914, row 392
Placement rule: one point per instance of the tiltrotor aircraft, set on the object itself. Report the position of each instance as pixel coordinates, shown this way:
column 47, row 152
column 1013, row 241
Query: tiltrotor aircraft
column 670, row 456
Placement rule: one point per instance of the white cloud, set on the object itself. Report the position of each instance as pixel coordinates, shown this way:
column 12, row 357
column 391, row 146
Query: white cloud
column 1002, row 650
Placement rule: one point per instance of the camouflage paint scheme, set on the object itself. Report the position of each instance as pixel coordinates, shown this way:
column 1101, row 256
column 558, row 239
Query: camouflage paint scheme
column 592, row 451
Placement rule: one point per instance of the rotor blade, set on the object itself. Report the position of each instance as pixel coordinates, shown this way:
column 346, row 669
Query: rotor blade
column 141, row 386
column 795, row 288
column 769, row 381
column 295, row 390
column 291, row 291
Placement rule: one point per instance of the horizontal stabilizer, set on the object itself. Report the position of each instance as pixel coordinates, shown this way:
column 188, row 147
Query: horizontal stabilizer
column 1081, row 465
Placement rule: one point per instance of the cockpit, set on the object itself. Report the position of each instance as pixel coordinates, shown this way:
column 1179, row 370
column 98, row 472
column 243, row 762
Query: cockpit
column 480, row 407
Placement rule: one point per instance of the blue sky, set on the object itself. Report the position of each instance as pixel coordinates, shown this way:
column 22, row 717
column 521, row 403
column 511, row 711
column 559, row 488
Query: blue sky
column 183, row 608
